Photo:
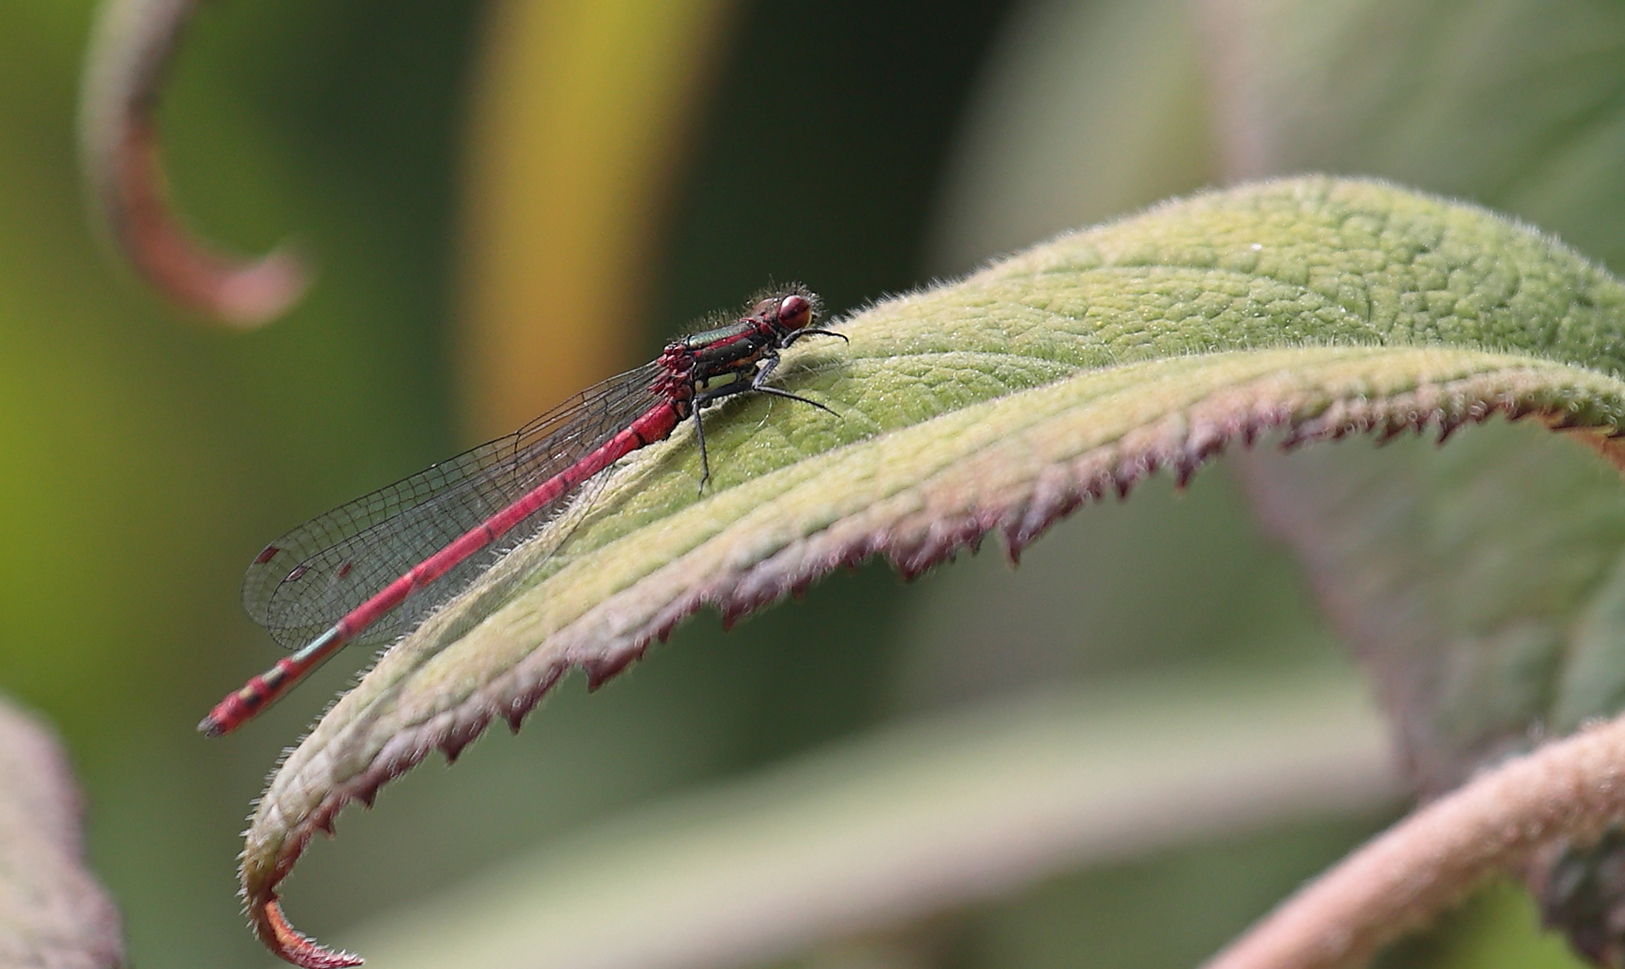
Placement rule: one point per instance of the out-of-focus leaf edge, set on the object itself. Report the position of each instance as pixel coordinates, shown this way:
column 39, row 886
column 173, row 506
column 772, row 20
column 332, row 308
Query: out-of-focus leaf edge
column 53, row 912
column 1311, row 307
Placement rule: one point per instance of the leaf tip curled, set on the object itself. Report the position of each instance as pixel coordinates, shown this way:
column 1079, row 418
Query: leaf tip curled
column 252, row 292
column 120, row 148
column 294, row 946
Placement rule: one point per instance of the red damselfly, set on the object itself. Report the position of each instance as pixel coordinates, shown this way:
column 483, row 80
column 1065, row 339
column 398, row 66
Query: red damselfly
column 378, row 565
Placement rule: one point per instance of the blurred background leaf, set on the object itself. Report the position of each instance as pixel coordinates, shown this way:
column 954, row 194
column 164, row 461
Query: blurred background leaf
column 1519, row 106
column 52, row 911
column 863, row 148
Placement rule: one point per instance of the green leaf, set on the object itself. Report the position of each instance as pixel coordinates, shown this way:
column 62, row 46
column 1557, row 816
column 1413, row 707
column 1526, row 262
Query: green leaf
column 1480, row 585
column 1480, row 589
column 998, row 403
column 1514, row 104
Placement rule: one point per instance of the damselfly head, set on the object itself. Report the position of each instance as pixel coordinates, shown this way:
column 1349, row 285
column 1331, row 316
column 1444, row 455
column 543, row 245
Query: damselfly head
column 786, row 308
column 795, row 311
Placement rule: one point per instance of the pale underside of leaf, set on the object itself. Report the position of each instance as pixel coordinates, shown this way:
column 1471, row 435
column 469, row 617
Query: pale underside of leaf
column 997, row 404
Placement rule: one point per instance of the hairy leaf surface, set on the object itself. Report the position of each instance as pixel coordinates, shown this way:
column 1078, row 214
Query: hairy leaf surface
column 997, row 403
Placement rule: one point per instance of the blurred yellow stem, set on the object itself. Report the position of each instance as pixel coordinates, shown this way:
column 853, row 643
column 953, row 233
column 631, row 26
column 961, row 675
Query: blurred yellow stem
column 579, row 116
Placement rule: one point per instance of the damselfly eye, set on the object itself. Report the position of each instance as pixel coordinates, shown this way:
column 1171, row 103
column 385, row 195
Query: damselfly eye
column 795, row 312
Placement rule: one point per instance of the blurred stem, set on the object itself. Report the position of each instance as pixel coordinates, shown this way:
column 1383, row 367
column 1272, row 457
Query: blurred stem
column 1566, row 790
column 579, row 116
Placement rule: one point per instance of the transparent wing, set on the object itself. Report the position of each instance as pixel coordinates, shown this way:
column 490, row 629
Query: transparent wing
column 310, row 578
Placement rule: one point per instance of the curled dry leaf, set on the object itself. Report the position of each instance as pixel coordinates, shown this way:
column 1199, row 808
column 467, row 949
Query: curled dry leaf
column 1312, row 306
column 135, row 41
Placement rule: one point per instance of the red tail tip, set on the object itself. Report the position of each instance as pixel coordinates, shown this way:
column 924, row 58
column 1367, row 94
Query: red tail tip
column 227, row 715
